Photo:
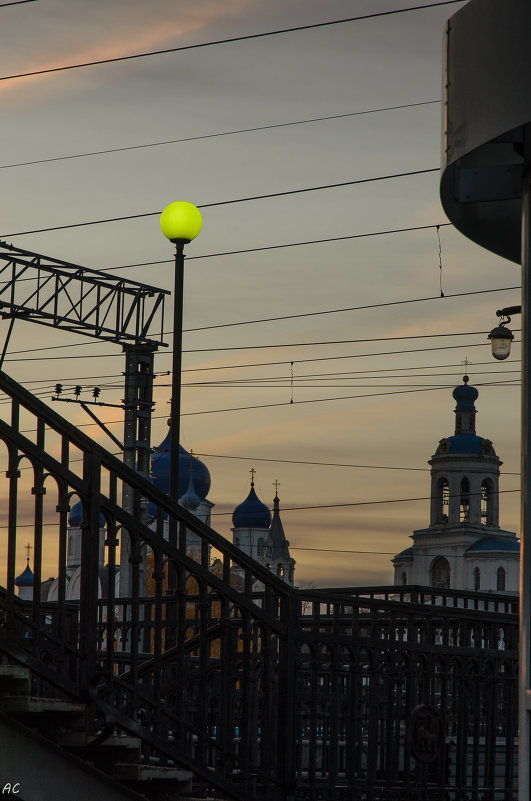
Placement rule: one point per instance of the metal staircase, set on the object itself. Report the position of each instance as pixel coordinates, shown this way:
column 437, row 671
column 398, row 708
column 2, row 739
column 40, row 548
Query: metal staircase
column 216, row 680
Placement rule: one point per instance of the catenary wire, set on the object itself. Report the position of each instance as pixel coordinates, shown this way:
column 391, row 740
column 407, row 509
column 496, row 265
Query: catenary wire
column 229, row 202
column 323, row 464
column 16, row 3
column 276, row 247
column 215, row 135
column 229, row 40
column 77, row 379
column 360, row 503
column 267, row 346
column 284, row 361
column 495, row 384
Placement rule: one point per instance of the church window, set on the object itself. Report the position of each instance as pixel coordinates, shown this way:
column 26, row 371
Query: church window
column 403, row 578
column 261, row 547
column 237, row 542
column 457, row 423
column 500, row 579
column 477, row 579
column 280, row 570
column 486, row 502
column 440, row 573
column 443, row 494
column 70, row 546
column 464, row 504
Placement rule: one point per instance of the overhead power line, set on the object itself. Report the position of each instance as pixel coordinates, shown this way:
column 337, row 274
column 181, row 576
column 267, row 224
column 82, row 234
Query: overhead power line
column 277, row 247
column 322, row 464
column 270, row 364
column 292, row 402
column 335, row 342
column 356, row 503
column 230, row 40
column 229, row 202
column 213, row 135
column 16, row 3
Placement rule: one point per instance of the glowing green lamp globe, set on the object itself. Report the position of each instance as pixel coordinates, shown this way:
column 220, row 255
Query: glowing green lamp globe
column 181, row 221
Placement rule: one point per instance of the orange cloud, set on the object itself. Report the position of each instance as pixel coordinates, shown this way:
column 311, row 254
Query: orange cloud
column 114, row 40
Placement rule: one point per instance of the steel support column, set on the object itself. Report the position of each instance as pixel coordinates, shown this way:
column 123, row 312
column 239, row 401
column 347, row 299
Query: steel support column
column 138, row 402
column 524, row 780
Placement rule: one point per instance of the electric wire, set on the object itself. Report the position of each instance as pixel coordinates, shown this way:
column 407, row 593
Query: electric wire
column 360, row 503
column 323, row 464
column 229, row 40
column 214, row 135
column 228, row 202
column 16, row 3
column 289, row 316
column 267, row 364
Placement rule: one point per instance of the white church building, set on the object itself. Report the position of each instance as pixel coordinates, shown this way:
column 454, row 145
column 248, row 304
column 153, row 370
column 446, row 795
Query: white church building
column 463, row 548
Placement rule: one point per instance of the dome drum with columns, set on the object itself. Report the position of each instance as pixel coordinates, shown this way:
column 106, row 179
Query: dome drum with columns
column 463, row 547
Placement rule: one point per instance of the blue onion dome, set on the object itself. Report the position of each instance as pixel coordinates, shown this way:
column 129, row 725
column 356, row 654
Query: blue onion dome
column 74, row 517
column 251, row 513
column 188, row 464
column 465, row 396
column 26, row 578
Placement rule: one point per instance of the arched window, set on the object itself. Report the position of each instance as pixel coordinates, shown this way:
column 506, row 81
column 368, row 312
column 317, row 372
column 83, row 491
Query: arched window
column 440, row 573
column 464, row 501
column 403, row 578
column 477, row 579
column 486, row 502
column 500, row 579
column 443, row 494
column 261, row 547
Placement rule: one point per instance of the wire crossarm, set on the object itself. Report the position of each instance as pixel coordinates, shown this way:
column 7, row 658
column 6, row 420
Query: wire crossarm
column 64, row 295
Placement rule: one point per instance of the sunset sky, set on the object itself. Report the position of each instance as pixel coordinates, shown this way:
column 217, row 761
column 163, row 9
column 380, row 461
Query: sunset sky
column 370, row 446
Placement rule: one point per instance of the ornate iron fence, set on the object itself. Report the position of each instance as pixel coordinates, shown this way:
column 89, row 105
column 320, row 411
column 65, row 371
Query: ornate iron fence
column 266, row 692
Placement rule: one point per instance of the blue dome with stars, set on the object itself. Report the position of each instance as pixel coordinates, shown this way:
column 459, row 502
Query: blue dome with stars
column 251, row 513
column 469, row 444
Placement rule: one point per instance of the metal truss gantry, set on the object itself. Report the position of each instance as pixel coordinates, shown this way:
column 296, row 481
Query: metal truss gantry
column 63, row 295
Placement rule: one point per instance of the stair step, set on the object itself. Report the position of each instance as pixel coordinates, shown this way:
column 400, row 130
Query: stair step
column 80, row 739
column 29, row 705
column 16, row 672
column 14, row 677
column 141, row 773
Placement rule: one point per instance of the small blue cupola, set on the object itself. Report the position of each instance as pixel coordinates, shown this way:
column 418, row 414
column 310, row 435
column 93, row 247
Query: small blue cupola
column 26, row 577
column 251, row 513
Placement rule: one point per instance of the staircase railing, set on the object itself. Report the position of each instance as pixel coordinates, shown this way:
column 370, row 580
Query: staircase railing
column 218, row 666
column 226, row 639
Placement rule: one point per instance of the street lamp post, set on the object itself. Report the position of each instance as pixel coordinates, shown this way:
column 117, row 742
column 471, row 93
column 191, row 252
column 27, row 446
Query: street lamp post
column 180, row 222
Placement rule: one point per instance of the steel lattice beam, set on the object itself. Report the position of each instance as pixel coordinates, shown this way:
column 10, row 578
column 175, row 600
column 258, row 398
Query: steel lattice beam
column 63, row 295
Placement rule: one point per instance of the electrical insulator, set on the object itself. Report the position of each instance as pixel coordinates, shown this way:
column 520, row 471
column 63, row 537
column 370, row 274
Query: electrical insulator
column 96, row 391
column 58, row 389
column 77, row 391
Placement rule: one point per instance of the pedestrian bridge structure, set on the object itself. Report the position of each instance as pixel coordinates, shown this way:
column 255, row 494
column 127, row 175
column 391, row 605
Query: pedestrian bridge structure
column 217, row 680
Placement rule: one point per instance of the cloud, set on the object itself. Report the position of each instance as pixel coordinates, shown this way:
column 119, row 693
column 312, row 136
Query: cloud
column 114, row 32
